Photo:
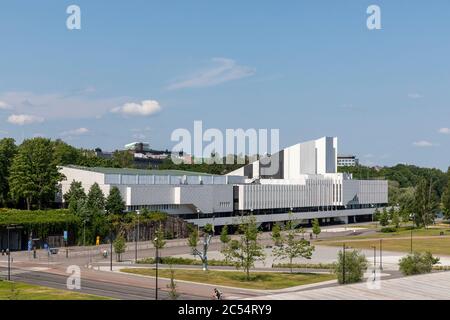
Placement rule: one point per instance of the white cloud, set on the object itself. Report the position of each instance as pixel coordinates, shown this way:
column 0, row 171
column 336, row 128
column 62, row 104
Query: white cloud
column 444, row 130
column 223, row 71
column 60, row 106
column 415, row 95
column 145, row 108
column 4, row 106
column 75, row 132
column 23, row 119
column 423, row 144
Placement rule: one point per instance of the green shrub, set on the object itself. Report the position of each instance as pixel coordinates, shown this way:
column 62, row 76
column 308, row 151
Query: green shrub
column 417, row 263
column 327, row 266
column 184, row 261
column 388, row 229
column 355, row 266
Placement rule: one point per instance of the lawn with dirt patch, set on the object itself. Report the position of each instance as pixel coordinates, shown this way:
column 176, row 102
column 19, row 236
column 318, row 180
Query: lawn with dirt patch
column 259, row 280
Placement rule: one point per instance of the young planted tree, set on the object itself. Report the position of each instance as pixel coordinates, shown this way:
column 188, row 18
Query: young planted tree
column 119, row 247
column 395, row 219
column 114, row 203
column 292, row 246
column 172, row 286
column 193, row 237
column 384, row 218
column 276, row 234
column 316, row 227
column 376, row 215
column 208, row 232
column 224, row 236
column 34, row 175
column 159, row 239
column 247, row 250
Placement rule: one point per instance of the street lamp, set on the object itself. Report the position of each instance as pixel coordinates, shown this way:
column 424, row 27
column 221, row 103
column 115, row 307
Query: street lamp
column 136, row 231
column 111, row 254
column 198, row 220
column 381, row 254
column 374, row 256
column 8, row 251
column 156, row 260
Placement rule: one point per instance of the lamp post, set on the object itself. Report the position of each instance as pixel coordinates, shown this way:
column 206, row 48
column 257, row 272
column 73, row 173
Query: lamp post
column 374, row 256
column 111, row 254
column 381, row 254
column 8, row 251
column 411, row 241
column 136, row 237
column 343, row 263
column 198, row 220
column 156, row 260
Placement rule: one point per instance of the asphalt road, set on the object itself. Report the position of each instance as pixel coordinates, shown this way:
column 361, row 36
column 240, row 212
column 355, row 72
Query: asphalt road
column 103, row 288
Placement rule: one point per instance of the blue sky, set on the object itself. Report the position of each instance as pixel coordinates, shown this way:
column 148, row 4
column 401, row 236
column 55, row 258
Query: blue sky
column 308, row 68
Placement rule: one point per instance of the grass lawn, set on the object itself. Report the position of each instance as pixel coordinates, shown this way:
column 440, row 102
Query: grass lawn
column 259, row 280
column 402, row 232
column 23, row 291
column 399, row 241
column 435, row 246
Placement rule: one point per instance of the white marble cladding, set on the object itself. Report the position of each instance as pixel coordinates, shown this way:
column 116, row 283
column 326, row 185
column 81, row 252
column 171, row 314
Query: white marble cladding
column 131, row 179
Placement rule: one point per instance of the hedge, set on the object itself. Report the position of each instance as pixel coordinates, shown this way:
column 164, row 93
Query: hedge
column 41, row 222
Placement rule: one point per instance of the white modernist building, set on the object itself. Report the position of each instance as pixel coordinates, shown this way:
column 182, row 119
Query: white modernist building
column 301, row 181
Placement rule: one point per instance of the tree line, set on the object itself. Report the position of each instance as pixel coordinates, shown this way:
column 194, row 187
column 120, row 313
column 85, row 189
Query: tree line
column 29, row 172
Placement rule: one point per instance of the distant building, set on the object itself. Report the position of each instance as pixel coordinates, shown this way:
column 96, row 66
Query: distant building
column 138, row 147
column 347, row 161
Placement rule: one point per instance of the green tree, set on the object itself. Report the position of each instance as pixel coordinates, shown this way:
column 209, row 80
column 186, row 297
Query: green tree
column 114, row 203
column 224, row 236
column 173, row 294
column 34, row 175
column 417, row 263
column 376, row 215
column 353, row 264
column 247, row 250
column 292, row 246
column 8, row 150
column 426, row 203
column 193, row 237
column 95, row 201
column 395, row 219
column 276, row 234
column 65, row 154
column 158, row 241
column 119, row 247
column 74, row 195
column 316, row 227
column 391, row 212
column 123, row 159
column 384, row 218
column 445, row 199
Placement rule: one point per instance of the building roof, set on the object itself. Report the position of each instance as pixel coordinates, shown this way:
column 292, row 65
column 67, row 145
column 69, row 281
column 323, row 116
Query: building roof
column 139, row 171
